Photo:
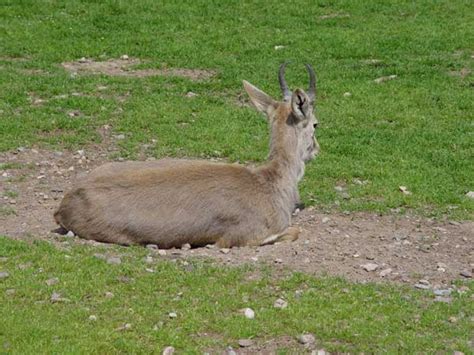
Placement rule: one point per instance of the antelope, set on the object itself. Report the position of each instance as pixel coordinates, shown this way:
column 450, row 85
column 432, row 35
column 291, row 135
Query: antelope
column 172, row 202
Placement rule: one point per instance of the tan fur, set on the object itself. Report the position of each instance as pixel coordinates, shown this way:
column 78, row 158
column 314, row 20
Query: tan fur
column 172, row 202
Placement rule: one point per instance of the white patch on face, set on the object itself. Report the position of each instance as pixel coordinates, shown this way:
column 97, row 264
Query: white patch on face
column 308, row 146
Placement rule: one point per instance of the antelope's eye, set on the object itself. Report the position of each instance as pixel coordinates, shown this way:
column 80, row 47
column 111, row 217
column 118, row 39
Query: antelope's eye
column 315, row 125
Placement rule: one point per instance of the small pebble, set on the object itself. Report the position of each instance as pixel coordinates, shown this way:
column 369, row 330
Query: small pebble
column 319, row 352
column 385, row 272
column 225, row 250
column 384, row 78
column 422, row 286
column 191, row 94
column 370, row 267
column 152, row 246
column 169, row 350
column 440, row 292
column 186, row 246
column 109, row 294
column 4, row 274
column 306, row 339
column 162, row 252
column 404, row 190
column 56, row 297
column 280, row 303
column 52, row 281
column 172, row 315
column 345, row 195
column 126, row 326
column 70, row 234
column 244, row 343
column 249, row 313
column 466, row 273
column 93, row 317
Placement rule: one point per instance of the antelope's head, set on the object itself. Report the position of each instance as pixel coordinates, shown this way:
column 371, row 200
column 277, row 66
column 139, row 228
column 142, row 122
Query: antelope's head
column 292, row 121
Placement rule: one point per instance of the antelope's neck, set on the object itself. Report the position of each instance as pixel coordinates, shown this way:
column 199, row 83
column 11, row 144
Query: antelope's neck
column 283, row 172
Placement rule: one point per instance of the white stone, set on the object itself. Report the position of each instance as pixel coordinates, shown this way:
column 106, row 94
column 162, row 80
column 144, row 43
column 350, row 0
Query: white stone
column 249, row 313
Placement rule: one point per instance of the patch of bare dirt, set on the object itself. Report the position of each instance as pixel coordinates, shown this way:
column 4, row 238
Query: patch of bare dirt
column 124, row 67
column 463, row 73
column 395, row 248
column 269, row 346
column 13, row 59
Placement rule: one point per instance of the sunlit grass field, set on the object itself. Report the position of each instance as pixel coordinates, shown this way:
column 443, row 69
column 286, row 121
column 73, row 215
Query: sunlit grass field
column 415, row 130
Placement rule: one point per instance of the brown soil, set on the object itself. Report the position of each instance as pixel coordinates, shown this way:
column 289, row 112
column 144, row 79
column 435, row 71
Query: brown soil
column 124, row 67
column 33, row 183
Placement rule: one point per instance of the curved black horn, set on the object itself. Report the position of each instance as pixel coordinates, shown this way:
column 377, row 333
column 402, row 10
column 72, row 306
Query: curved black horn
column 312, row 83
column 284, row 87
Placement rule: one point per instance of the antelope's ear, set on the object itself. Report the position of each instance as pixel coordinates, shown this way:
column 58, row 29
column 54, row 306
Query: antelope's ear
column 300, row 105
column 263, row 102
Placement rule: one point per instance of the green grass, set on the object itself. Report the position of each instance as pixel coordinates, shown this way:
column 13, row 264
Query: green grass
column 10, row 193
column 414, row 131
column 207, row 299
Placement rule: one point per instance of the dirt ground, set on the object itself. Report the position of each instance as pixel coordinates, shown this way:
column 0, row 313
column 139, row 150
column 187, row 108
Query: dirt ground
column 400, row 248
column 125, row 67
